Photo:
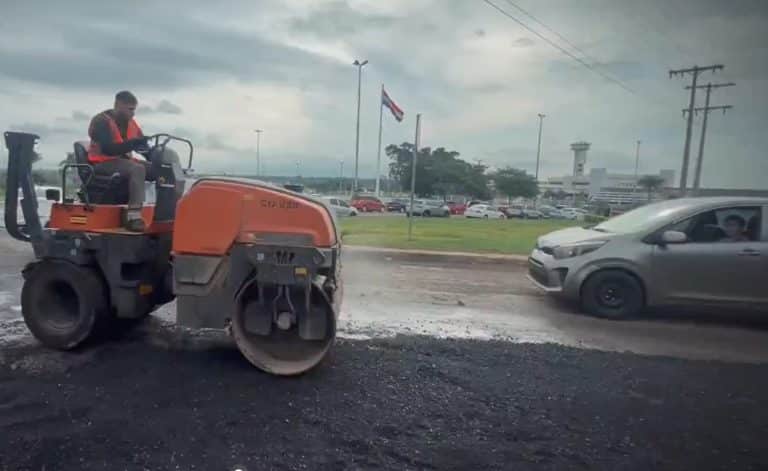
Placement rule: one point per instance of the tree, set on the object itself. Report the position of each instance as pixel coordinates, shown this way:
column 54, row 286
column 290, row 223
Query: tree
column 651, row 183
column 515, row 183
column 438, row 172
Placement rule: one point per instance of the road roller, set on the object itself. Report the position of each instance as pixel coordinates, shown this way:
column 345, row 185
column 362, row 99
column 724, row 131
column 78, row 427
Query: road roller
column 254, row 259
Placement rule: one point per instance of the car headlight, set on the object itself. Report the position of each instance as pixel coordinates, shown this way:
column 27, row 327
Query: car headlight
column 574, row 250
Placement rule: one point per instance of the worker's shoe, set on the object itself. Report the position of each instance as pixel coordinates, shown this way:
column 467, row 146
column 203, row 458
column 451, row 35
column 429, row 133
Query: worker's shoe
column 133, row 221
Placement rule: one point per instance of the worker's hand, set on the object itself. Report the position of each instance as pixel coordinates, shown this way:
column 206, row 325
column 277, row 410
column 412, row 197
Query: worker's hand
column 140, row 144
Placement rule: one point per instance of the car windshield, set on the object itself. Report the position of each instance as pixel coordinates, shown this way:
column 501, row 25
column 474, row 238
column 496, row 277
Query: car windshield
column 643, row 218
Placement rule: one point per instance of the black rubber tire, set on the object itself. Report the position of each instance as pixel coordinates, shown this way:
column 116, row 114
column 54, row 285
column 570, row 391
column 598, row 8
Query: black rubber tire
column 426, row 214
column 64, row 304
column 612, row 294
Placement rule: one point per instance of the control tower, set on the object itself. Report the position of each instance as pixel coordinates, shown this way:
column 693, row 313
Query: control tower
column 579, row 157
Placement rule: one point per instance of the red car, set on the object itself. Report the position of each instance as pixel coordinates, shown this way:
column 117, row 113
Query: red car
column 367, row 204
column 456, row 208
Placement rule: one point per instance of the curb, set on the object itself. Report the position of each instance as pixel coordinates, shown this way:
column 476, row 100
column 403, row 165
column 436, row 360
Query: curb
column 488, row 256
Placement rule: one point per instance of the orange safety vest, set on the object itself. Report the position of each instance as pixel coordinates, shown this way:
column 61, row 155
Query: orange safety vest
column 94, row 150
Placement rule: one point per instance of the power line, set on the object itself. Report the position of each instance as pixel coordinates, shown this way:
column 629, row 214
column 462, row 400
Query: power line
column 560, row 48
column 581, row 51
column 551, row 30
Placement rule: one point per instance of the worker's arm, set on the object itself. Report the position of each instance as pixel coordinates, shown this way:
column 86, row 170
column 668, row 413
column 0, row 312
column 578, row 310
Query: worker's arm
column 102, row 134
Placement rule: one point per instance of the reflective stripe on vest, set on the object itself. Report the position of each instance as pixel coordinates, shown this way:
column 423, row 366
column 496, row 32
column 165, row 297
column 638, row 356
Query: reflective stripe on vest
column 94, row 150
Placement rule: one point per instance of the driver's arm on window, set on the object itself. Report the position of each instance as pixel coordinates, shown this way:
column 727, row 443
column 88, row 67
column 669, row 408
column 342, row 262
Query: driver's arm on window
column 100, row 133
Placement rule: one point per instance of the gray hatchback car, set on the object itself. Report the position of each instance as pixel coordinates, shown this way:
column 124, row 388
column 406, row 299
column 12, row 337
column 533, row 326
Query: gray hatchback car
column 692, row 251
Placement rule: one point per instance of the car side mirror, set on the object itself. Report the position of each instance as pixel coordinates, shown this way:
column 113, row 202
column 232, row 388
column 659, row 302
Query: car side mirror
column 53, row 194
column 673, row 237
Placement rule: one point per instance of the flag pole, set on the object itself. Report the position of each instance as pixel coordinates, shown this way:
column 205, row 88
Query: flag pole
column 413, row 173
column 381, row 126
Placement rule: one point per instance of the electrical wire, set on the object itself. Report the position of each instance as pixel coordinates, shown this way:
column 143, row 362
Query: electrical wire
column 560, row 48
column 551, row 30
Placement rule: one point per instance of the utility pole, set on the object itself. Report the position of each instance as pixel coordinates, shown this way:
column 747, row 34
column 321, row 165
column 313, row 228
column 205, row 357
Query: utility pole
column 538, row 152
column 258, row 145
column 637, row 167
column 341, row 177
column 706, row 109
column 359, row 66
column 694, row 71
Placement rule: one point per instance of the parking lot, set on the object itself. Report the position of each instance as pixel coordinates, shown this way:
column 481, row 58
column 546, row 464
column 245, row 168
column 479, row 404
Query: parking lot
column 442, row 363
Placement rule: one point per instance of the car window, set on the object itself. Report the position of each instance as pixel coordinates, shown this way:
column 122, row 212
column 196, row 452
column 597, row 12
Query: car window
column 642, row 218
column 343, row 203
column 737, row 224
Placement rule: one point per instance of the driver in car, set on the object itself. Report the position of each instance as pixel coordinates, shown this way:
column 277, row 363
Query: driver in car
column 115, row 135
column 735, row 227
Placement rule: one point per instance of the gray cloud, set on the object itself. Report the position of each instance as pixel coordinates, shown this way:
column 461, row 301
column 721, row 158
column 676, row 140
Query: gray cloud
column 80, row 116
column 167, row 107
column 163, row 107
column 167, row 54
column 41, row 129
column 523, row 42
column 338, row 18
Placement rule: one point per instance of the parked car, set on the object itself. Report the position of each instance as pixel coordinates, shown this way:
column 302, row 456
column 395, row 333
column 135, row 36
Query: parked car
column 429, row 208
column 530, row 213
column 367, row 204
column 484, row 211
column 510, row 212
column 690, row 251
column 548, row 211
column 572, row 213
column 397, row 205
column 456, row 208
column 340, row 207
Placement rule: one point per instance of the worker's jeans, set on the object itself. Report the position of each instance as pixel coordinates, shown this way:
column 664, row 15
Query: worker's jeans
column 136, row 173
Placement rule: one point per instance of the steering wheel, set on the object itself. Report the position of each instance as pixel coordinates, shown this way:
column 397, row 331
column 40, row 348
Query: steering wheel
column 157, row 142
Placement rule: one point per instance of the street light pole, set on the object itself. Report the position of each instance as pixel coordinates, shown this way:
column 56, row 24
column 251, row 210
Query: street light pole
column 413, row 174
column 538, row 151
column 258, row 146
column 359, row 66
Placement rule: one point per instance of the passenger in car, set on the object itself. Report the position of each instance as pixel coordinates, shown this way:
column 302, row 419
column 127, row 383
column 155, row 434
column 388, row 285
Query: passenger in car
column 734, row 226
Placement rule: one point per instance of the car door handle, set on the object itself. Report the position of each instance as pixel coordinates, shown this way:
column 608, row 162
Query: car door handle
column 749, row 253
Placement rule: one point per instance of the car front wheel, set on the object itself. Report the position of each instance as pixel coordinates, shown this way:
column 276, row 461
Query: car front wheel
column 612, row 294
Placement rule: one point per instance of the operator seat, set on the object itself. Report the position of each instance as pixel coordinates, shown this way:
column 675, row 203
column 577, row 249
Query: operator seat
column 98, row 189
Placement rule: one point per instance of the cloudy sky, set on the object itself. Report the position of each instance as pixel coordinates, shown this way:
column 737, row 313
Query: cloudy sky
column 214, row 71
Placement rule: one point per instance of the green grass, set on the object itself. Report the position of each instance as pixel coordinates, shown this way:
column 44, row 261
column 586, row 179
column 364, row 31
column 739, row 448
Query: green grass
column 513, row 236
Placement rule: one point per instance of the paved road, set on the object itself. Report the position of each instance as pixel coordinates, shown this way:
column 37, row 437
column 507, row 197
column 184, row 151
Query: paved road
column 443, row 363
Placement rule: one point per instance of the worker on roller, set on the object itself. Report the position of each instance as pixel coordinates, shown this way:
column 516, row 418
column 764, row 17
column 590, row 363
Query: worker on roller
column 115, row 136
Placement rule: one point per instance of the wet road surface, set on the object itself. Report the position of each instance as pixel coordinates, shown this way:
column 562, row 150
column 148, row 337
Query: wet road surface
column 443, row 363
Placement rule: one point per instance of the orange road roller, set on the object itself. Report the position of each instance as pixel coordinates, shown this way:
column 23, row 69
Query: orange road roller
column 255, row 259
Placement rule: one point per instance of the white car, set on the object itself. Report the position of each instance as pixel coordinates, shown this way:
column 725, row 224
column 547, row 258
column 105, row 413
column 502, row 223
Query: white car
column 429, row 208
column 341, row 207
column 572, row 213
column 483, row 211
